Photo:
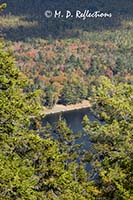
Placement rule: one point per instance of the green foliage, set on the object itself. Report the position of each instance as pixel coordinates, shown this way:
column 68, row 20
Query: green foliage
column 74, row 91
column 67, row 140
column 3, row 6
column 42, row 168
column 52, row 95
column 64, row 69
column 111, row 156
column 31, row 167
column 13, row 102
column 16, row 178
column 113, row 101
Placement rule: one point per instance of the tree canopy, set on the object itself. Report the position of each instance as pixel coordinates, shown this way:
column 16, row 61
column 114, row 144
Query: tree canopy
column 111, row 151
column 32, row 167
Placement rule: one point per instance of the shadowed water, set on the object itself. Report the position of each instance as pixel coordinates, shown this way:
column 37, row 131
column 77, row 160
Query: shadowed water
column 74, row 120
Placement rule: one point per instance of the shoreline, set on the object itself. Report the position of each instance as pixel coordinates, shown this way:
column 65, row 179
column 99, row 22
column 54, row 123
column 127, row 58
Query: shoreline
column 59, row 108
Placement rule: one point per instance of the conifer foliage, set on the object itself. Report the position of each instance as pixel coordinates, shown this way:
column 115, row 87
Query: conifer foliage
column 111, row 150
column 32, row 168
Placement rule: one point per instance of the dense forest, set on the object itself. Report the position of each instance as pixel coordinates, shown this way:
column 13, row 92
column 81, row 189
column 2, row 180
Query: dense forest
column 48, row 62
column 22, row 16
column 65, row 67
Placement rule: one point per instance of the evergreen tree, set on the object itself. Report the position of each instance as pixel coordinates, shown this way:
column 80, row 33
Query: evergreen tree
column 15, row 107
column 67, row 140
column 111, row 150
column 32, row 168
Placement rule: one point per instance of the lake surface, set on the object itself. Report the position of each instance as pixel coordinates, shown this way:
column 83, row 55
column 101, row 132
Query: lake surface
column 74, row 120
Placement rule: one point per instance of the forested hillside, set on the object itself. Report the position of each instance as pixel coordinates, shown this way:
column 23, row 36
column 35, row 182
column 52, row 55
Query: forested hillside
column 64, row 57
column 39, row 168
column 30, row 21
column 47, row 61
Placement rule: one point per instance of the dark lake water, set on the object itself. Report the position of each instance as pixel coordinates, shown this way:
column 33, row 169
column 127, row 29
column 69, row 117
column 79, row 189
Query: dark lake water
column 74, row 120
